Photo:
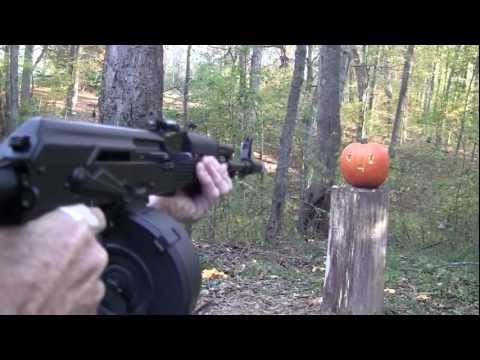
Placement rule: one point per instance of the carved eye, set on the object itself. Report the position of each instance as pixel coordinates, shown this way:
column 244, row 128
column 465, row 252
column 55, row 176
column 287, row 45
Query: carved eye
column 370, row 159
column 349, row 157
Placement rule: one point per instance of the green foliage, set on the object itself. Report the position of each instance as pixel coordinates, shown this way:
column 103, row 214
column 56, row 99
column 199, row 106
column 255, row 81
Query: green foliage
column 448, row 287
column 241, row 218
column 434, row 202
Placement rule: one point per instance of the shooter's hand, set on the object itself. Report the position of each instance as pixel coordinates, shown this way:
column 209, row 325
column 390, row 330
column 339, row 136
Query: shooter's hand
column 215, row 183
column 53, row 264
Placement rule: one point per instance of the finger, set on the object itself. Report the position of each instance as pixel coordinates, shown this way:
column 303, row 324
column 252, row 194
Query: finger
column 156, row 202
column 91, row 264
column 209, row 189
column 93, row 217
column 226, row 176
column 91, row 296
column 211, row 166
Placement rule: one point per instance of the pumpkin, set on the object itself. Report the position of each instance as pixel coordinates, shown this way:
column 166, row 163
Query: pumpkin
column 365, row 165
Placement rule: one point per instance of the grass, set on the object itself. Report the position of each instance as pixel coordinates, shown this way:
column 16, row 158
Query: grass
column 428, row 284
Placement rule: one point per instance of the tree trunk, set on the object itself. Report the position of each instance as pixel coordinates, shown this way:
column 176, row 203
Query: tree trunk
column 242, row 94
column 34, row 66
column 430, row 88
column 388, row 88
column 436, row 99
column 26, row 77
column 362, row 86
column 446, row 92
column 401, row 98
column 186, row 96
column 281, row 175
column 40, row 57
column 357, row 243
column 72, row 93
column 132, row 85
column 5, row 88
column 186, row 87
column 12, row 106
column 345, row 65
column 373, row 82
column 404, row 123
column 307, row 126
column 316, row 199
column 462, row 122
column 351, row 85
column 255, row 69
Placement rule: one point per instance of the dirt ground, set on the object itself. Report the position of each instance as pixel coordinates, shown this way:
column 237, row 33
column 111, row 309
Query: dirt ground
column 253, row 281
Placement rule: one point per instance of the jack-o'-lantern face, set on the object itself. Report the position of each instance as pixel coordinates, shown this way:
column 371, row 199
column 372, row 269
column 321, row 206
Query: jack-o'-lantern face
column 365, row 165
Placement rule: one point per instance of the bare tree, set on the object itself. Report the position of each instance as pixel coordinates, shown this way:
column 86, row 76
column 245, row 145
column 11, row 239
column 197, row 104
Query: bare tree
column 186, row 85
column 346, row 58
column 255, row 72
column 26, row 94
column 462, row 122
column 4, row 86
column 315, row 206
column 243, row 52
column 445, row 95
column 388, row 87
column 373, row 82
column 137, row 95
column 186, row 97
column 362, row 87
column 34, row 66
column 430, row 87
column 281, row 176
column 307, row 118
column 73, row 72
column 12, row 105
column 401, row 98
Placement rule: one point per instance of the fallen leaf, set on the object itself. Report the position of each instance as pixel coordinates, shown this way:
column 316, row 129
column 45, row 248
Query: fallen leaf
column 389, row 291
column 313, row 302
column 423, row 297
column 213, row 274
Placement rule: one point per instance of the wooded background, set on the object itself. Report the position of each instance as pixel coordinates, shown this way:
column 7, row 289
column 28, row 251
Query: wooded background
column 302, row 105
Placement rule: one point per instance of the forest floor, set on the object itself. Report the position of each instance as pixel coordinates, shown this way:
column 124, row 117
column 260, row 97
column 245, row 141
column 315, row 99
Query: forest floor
column 288, row 281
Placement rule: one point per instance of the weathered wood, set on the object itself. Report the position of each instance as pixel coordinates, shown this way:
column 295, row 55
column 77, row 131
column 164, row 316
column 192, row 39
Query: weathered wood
column 354, row 278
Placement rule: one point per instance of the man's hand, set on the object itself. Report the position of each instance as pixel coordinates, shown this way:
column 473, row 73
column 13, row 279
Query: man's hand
column 215, row 182
column 53, row 264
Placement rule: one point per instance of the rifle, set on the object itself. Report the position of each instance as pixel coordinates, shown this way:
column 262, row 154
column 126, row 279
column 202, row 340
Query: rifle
column 153, row 268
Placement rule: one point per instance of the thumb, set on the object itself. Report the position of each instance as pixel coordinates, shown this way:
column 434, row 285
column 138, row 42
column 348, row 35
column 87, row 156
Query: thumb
column 93, row 216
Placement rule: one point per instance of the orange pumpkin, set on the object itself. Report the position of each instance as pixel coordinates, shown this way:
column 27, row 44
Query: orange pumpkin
column 365, row 165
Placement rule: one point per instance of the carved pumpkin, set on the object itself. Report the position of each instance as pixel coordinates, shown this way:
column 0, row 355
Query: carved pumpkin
column 365, row 165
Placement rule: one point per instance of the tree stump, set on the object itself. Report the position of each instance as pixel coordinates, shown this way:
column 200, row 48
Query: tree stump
column 357, row 241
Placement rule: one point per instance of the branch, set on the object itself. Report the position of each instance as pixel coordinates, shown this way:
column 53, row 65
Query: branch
column 44, row 51
column 458, row 264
